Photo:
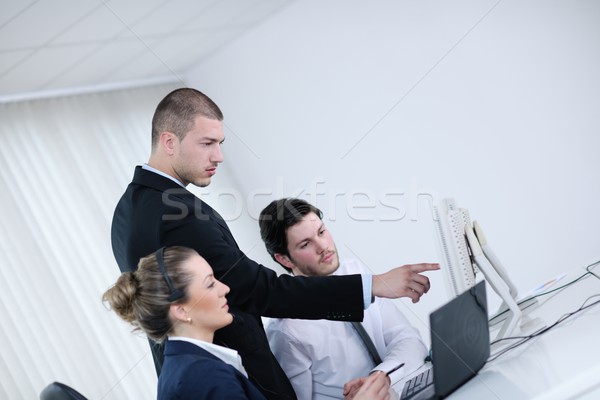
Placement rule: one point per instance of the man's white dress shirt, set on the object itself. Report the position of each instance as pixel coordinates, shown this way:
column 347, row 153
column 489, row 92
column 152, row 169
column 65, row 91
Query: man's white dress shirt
column 320, row 356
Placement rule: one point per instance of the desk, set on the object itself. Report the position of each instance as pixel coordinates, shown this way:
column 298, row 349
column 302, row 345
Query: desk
column 563, row 363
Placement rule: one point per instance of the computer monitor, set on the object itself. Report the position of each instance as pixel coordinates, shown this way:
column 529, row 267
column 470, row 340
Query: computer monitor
column 466, row 254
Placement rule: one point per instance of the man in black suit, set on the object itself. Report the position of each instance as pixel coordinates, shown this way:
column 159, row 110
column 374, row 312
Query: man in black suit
column 156, row 210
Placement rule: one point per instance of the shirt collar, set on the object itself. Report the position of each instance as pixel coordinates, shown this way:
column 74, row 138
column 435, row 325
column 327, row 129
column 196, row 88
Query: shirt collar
column 229, row 356
column 151, row 169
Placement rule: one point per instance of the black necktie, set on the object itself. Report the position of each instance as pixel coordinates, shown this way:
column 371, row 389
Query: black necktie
column 360, row 329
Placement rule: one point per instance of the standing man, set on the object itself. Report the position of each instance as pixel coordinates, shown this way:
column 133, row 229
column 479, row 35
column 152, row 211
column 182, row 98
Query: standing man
column 322, row 358
column 157, row 210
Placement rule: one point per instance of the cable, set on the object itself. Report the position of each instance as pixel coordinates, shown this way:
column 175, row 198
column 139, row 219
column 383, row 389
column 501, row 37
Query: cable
column 572, row 282
column 525, row 339
column 534, row 335
column 560, row 287
column 590, row 266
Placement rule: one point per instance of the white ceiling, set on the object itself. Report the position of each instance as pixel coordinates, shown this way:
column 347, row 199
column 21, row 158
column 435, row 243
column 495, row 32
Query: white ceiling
column 52, row 46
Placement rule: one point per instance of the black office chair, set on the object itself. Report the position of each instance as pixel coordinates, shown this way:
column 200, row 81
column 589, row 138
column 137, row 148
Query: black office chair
column 60, row 391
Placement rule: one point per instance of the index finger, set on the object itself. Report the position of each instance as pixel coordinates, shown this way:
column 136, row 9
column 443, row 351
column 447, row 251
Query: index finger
column 424, row 267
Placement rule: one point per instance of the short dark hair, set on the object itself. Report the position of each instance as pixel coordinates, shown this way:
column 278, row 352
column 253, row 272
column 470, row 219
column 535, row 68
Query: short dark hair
column 275, row 220
column 178, row 110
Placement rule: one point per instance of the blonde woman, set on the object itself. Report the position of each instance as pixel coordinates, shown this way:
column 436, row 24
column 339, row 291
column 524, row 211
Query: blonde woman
column 174, row 298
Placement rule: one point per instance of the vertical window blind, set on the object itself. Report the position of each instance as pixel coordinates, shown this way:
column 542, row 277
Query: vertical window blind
column 64, row 163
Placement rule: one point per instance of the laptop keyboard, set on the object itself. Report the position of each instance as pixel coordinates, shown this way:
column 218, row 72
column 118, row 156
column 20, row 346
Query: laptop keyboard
column 417, row 383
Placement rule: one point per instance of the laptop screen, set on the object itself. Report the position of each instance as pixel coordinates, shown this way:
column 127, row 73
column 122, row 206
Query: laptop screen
column 460, row 339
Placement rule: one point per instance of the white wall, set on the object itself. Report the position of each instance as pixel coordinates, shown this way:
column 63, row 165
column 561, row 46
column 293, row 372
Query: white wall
column 493, row 103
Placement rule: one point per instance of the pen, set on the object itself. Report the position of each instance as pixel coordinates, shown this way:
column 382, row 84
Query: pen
column 394, row 369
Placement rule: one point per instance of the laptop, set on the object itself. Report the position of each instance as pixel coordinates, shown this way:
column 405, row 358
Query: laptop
column 460, row 346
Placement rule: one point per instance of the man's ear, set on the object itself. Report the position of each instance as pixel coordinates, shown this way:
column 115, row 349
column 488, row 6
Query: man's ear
column 168, row 141
column 284, row 260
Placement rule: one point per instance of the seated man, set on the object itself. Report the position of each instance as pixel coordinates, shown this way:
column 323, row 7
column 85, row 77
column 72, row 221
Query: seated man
column 320, row 357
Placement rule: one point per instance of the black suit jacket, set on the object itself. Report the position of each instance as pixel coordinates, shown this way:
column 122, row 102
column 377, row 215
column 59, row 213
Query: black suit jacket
column 190, row 372
column 154, row 211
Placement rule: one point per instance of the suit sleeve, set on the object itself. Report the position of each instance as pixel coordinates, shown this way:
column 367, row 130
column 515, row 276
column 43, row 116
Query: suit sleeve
column 257, row 289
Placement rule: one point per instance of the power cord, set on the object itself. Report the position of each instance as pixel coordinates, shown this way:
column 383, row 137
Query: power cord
column 588, row 268
column 589, row 272
column 558, row 288
column 563, row 318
